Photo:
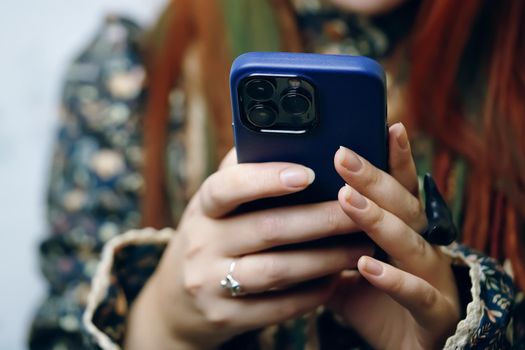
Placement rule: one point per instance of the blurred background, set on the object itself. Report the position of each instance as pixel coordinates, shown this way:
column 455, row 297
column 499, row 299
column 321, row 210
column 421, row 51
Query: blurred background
column 37, row 40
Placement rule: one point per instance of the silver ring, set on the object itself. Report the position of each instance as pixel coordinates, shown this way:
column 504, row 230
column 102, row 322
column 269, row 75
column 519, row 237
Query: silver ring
column 230, row 283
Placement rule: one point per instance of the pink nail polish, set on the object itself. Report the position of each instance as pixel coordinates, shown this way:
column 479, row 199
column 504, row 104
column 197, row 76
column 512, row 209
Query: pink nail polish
column 350, row 160
column 297, row 176
column 355, row 198
column 402, row 138
column 372, row 267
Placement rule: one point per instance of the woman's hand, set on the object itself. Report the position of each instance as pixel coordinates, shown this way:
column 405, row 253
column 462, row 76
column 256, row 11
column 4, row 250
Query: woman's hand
column 183, row 305
column 411, row 301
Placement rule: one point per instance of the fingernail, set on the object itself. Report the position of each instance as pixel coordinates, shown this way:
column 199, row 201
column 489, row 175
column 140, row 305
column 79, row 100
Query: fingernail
column 354, row 198
column 349, row 159
column 402, row 138
column 372, row 266
column 297, row 176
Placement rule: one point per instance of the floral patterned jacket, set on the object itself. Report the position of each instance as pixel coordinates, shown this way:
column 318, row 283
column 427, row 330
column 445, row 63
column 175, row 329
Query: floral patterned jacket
column 96, row 260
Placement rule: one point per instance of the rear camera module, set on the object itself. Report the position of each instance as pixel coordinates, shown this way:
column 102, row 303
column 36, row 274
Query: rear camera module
column 278, row 104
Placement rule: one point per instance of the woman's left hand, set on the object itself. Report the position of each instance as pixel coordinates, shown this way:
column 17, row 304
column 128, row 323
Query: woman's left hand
column 412, row 301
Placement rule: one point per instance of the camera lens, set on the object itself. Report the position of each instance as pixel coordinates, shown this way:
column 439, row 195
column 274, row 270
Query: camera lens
column 262, row 116
column 259, row 89
column 295, row 103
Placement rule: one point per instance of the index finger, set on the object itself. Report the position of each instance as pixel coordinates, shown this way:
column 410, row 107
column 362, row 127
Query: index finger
column 232, row 186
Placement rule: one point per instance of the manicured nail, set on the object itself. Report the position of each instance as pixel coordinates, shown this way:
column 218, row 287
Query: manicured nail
column 372, row 266
column 297, row 176
column 354, row 198
column 402, row 138
column 349, row 159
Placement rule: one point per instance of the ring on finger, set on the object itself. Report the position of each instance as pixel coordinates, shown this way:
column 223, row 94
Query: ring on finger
column 230, row 283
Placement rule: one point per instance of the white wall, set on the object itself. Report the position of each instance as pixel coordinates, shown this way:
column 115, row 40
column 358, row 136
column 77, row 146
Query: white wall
column 37, row 39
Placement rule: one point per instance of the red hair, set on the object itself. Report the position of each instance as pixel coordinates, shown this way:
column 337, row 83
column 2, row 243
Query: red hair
column 493, row 143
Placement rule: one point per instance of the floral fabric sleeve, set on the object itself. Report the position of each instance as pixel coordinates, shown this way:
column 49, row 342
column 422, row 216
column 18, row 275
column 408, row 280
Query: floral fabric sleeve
column 489, row 314
column 126, row 264
column 95, row 178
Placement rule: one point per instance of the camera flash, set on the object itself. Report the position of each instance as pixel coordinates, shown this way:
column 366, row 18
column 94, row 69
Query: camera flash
column 294, row 83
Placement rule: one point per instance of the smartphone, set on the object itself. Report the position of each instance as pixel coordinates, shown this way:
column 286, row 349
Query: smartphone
column 299, row 108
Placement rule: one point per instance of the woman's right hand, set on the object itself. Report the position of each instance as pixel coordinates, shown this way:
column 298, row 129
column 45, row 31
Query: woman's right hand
column 183, row 305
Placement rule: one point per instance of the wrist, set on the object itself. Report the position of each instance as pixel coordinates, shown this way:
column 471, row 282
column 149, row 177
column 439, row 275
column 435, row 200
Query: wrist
column 147, row 327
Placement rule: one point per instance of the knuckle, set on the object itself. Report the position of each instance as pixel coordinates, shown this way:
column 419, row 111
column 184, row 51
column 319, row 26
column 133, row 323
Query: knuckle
column 402, row 161
column 192, row 283
column 265, row 181
column 211, row 194
column 372, row 176
column 420, row 247
column 269, row 227
column 376, row 219
column 272, row 270
column 215, row 194
column 421, row 224
column 429, row 298
column 194, row 247
column 397, row 285
column 332, row 216
column 217, row 317
column 415, row 210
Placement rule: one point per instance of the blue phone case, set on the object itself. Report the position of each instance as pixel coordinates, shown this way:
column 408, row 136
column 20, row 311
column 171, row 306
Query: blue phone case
column 351, row 104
